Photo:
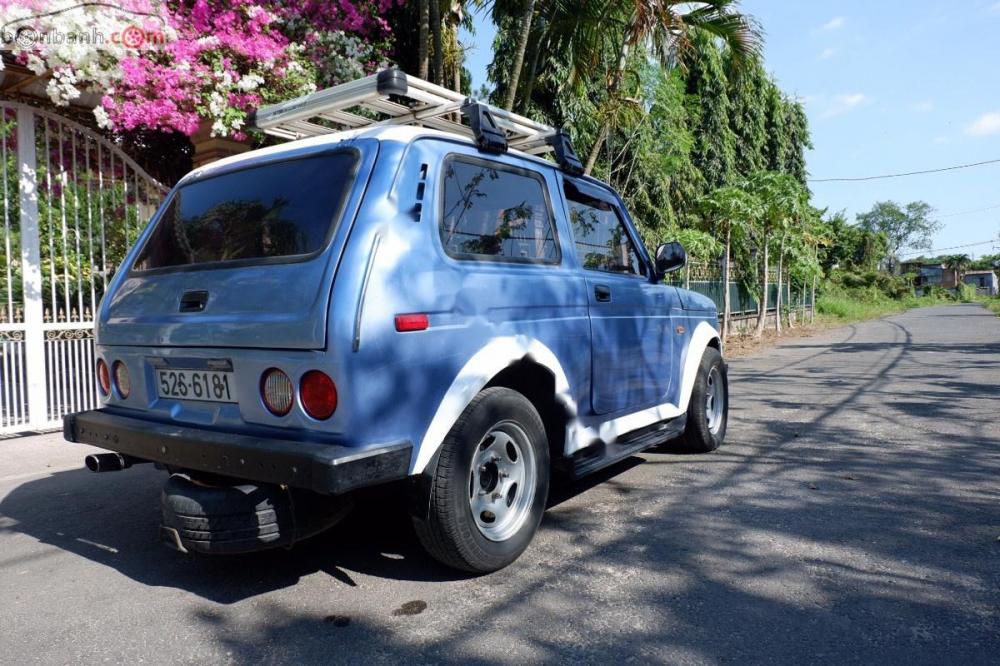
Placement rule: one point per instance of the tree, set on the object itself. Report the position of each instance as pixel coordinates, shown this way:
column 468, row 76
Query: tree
column 909, row 228
column 522, row 47
column 746, row 86
column 714, row 150
column 730, row 211
column 778, row 194
column 958, row 263
column 667, row 31
column 423, row 32
column 437, row 72
column 795, row 201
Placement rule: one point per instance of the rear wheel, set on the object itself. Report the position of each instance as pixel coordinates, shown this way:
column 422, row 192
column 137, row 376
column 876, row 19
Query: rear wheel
column 708, row 409
column 490, row 484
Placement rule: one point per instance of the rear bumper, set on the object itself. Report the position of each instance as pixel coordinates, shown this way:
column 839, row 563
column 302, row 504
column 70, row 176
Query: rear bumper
column 324, row 468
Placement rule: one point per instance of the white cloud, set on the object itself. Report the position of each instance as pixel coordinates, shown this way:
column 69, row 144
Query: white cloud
column 843, row 103
column 836, row 23
column 995, row 8
column 827, row 54
column 922, row 105
column 985, row 125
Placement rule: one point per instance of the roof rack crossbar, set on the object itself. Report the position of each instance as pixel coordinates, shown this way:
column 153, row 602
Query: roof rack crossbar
column 392, row 97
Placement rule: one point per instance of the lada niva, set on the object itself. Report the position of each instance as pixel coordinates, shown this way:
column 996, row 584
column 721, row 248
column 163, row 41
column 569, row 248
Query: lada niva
column 394, row 303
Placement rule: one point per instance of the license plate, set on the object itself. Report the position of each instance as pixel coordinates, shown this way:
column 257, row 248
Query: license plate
column 210, row 385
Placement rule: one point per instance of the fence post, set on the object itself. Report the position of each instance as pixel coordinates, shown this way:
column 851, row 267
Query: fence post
column 812, row 303
column 31, row 267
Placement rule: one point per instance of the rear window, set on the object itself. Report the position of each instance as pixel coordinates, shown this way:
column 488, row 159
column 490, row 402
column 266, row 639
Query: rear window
column 284, row 209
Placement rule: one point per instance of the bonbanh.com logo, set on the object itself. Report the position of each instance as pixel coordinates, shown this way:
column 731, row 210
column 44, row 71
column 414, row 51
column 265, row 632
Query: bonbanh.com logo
column 24, row 33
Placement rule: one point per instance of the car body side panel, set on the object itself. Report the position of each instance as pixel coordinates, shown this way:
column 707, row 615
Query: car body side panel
column 398, row 381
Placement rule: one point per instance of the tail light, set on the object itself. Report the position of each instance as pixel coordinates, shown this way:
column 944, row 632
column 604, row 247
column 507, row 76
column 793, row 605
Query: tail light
column 318, row 394
column 103, row 377
column 122, row 381
column 277, row 391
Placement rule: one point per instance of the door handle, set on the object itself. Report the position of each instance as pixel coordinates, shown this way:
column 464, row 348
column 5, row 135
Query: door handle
column 602, row 293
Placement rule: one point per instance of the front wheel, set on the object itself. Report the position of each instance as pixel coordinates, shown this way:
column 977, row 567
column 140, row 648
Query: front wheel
column 708, row 409
column 490, row 484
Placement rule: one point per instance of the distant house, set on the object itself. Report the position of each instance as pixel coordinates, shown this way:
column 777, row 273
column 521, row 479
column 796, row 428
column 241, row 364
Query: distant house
column 985, row 282
column 931, row 274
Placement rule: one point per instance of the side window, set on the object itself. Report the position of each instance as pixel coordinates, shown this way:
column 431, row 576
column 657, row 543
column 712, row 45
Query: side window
column 496, row 212
column 602, row 243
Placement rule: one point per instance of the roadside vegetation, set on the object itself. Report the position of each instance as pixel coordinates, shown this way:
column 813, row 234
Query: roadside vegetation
column 668, row 101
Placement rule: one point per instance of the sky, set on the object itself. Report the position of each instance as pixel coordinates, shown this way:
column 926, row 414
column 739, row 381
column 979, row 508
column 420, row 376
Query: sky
column 889, row 86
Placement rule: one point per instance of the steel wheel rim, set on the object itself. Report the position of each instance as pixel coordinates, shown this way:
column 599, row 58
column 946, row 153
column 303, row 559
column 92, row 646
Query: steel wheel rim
column 502, row 481
column 715, row 400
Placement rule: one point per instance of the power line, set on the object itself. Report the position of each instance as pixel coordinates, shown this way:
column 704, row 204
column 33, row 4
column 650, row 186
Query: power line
column 900, row 175
column 969, row 212
column 955, row 247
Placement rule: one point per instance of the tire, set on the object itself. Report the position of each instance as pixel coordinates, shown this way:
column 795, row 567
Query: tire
column 706, row 422
column 458, row 530
column 223, row 519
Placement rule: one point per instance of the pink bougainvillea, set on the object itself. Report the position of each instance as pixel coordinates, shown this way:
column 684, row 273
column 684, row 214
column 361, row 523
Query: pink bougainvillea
column 199, row 60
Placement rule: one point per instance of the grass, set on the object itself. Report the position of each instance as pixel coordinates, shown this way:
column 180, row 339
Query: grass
column 844, row 306
column 993, row 304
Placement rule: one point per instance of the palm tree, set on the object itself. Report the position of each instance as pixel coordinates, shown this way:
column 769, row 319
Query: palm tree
column 666, row 27
column 423, row 30
column 437, row 72
column 728, row 210
column 522, row 46
column 958, row 263
column 456, row 15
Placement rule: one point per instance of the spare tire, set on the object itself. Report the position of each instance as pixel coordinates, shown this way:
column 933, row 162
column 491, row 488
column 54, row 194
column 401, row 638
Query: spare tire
column 220, row 518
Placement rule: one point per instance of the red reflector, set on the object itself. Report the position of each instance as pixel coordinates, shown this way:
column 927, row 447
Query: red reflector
column 103, row 377
column 412, row 322
column 318, row 395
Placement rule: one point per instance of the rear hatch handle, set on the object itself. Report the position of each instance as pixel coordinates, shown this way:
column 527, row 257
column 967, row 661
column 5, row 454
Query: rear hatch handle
column 194, row 301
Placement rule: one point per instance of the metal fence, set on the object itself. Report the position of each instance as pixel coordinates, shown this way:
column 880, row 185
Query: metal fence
column 707, row 278
column 72, row 204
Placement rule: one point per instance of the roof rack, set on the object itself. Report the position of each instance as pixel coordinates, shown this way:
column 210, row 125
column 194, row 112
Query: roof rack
column 392, row 97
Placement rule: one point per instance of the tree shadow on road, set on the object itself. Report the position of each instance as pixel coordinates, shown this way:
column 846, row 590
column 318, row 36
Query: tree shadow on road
column 842, row 521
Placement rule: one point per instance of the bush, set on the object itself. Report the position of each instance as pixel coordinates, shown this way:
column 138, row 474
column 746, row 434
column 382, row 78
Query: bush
column 965, row 293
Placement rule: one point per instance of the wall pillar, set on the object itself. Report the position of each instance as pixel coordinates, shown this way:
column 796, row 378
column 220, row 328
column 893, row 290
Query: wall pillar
column 208, row 148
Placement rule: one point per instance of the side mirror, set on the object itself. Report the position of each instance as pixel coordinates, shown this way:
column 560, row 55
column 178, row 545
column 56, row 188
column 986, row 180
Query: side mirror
column 670, row 257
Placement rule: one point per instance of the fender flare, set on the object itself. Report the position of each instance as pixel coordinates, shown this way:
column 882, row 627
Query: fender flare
column 490, row 360
column 703, row 336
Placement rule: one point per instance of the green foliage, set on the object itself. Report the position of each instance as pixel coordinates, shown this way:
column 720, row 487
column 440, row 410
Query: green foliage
column 965, row 293
column 851, row 247
column 714, row 151
column 843, row 303
column 909, row 227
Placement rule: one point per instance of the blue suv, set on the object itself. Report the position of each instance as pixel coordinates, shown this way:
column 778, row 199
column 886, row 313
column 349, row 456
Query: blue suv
column 394, row 304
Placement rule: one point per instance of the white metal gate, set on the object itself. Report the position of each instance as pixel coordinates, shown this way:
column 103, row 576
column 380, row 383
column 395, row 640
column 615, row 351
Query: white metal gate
column 73, row 203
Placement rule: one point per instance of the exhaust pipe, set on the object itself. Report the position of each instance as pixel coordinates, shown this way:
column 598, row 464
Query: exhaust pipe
column 110, row 462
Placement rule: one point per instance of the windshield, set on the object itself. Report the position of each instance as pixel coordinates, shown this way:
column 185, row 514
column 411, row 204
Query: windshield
column 283, row 209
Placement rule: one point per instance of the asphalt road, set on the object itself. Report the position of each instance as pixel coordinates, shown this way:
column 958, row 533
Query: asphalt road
column 853, row 516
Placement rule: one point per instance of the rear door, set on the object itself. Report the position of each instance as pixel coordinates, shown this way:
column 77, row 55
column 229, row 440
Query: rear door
column 629, row 315
column 241, row 258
